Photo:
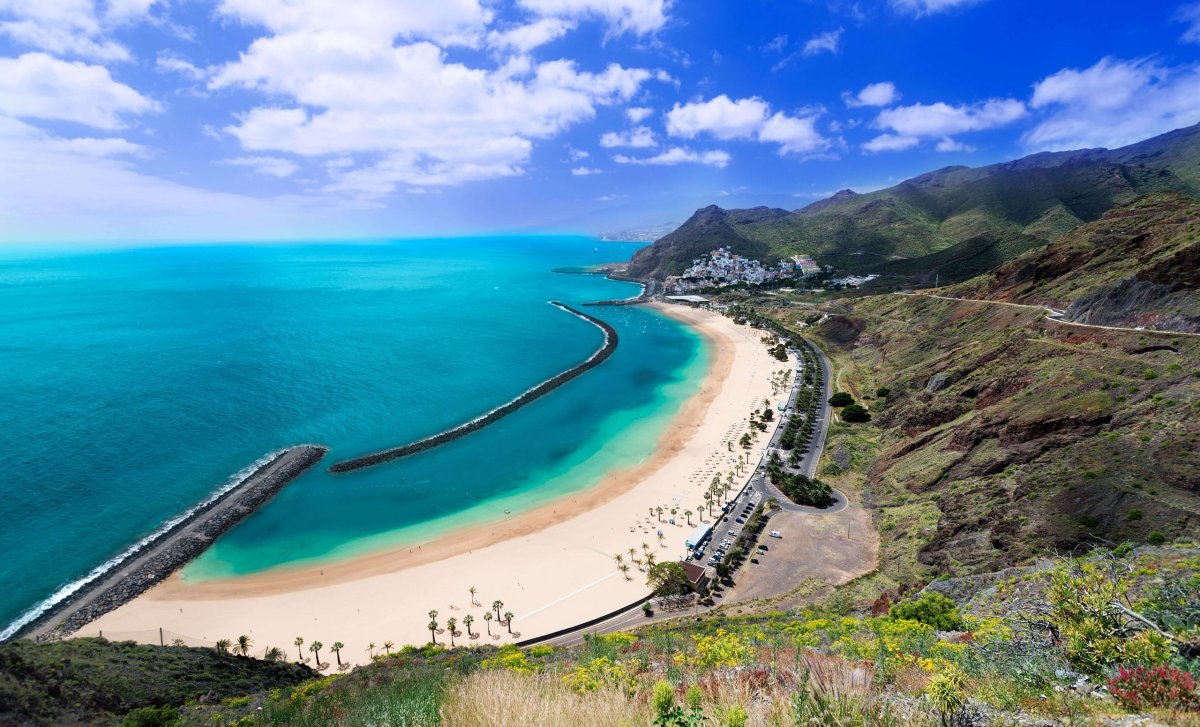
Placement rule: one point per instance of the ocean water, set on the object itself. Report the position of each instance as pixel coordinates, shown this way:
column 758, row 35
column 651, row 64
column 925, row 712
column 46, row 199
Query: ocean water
column 134, row 383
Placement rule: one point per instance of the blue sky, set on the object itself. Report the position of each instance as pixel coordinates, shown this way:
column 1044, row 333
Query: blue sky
column 162, row 120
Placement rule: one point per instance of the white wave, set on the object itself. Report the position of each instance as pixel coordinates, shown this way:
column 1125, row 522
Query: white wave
column 74, row 586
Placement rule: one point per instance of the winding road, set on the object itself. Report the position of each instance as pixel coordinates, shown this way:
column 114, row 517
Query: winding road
column 1053, row 315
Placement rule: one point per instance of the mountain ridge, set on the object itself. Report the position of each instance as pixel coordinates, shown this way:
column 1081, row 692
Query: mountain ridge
column 955, row 222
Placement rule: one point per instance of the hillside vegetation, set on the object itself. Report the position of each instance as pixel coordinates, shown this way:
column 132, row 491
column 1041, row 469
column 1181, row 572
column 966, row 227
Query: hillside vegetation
column 956, row 221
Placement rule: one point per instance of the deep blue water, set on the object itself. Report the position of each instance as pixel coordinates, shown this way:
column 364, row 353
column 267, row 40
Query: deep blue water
column 134, row 383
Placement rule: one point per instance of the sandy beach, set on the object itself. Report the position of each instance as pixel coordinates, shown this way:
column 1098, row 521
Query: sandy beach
column 552, row 567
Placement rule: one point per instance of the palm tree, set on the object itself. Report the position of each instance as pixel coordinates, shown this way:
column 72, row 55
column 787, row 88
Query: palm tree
column 487, row 619
column 243, row 645
column 700, row 511
column 315, row 647
column 299, row 642
column 649, row 560
column 371, row 650
column 708, row 498
column 433, row 614
column 387, row 647
column 222, row 646
column 651, row 512
column 624, row 571
column 337, row 650
column 451, row 624
column 508, row 617
column 646, row 547
column 661, row 538
column 273, row 654
column 497, row 605
column 467, row 621
column 433, row 630
column 472, row 590
column 688, row 515
column 618, row 558
column 659, row 510
column 632, row 553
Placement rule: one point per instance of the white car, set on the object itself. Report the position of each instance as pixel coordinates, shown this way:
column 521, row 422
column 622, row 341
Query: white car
column 775, row 534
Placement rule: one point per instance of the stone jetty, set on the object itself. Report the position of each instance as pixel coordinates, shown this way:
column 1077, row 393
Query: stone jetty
column 606, row 349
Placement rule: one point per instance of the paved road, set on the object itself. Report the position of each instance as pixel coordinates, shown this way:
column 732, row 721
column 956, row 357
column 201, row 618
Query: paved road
column 1052, row 314
column 755, row 491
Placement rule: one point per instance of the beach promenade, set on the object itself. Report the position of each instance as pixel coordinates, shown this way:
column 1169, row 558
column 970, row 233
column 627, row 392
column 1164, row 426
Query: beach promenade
column 552, row 567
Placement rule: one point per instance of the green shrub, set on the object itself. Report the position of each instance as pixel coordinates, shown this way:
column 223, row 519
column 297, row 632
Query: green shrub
column 841, row 398
column 855, row 413
column 883, row 392
column 931, row 609
column 1156, row 538
column 152, row 717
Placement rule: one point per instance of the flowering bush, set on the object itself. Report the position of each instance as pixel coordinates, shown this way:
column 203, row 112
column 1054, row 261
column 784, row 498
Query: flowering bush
column 1158, row 686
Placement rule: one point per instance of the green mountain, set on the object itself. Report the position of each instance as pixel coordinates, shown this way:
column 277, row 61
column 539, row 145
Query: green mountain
column 956, row 221
column 1005, row 435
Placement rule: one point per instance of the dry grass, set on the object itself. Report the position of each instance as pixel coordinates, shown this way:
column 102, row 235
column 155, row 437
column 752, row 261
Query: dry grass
column 509, row 699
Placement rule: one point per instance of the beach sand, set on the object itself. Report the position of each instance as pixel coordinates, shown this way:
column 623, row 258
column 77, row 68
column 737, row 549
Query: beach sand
column 553, row 566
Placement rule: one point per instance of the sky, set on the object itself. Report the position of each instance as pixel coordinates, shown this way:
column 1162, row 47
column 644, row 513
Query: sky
column 152, row 121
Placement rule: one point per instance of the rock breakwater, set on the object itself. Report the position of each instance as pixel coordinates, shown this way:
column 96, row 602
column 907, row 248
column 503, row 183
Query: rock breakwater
column 159, row 555
column 601, row 354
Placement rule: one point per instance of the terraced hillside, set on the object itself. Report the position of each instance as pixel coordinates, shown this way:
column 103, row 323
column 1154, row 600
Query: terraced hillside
column 954, row 222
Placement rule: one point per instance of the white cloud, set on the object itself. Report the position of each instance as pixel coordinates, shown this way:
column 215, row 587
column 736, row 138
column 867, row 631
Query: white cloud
column 876, row 94
column 525, row 38
column 678, row 155
column 824, row 43
column 910, row 124
column 71, row 27
column 584, row 171
column 948, row 145
column 445, row 21
column 777, row 44
column 1113, row 103
column 721, row 117
column 267, row 166
column 86, row 189
column 169, row 63
column 38, row 86
column 423, row 120
column 930, row 7
column 623, row 16
column 638, row 114
column 1189, row 14
column 794, row 135
column 576, row 154
column 638, row 138
column 890, row 142
column 747, row 118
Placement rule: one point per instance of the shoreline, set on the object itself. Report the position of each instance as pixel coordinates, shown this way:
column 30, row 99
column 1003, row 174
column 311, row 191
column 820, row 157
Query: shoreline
column 607, row 348
column 552, row 563
column 162, row 553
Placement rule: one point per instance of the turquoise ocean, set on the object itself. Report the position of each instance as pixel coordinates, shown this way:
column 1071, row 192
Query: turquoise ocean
column 135, row 383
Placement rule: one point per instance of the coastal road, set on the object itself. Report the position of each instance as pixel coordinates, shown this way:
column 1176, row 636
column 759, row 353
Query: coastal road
column 1052, row 314
column 756, row 490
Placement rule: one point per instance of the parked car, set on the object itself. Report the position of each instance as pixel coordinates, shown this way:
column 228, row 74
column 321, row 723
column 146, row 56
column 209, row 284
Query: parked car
column 763, row 547
column 754, row 560
column 775, row 534
column 740, row 520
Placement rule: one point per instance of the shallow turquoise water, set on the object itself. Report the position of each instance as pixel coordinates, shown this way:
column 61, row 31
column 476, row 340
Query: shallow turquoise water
column 136, row 382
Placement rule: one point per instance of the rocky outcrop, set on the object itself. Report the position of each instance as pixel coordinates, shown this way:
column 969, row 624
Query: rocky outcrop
column 1132, row 302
